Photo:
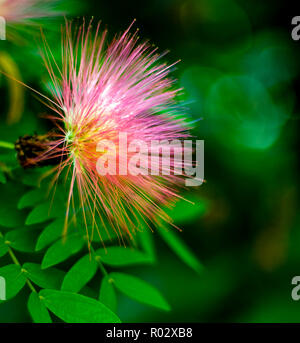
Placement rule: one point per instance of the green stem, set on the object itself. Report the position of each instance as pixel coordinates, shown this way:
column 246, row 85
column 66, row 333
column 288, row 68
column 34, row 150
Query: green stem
column 15, row 260
column 7, row 145
column 98, row 260
column 13, row 257
column 101, row 266
column 30, row 285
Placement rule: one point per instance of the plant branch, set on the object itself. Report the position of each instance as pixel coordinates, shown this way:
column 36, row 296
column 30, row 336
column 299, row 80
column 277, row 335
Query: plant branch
column 7, row 145
column 16, row 261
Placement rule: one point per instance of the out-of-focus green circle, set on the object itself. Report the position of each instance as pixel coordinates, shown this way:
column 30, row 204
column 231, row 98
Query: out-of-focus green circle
column 243, row 113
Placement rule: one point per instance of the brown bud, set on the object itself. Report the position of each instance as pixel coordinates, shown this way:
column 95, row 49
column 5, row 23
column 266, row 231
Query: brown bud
column 31, row 150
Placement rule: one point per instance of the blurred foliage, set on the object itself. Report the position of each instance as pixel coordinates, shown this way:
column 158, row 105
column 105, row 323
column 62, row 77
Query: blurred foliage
column 240, row 73
column 62, row 272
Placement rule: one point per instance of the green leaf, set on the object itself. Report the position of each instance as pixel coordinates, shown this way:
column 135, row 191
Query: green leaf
column 76, row 308
column 44, row 212
column 10, row 217
column 119, row 256
column 107, row 293
column 62, row 250
column 139, row 290
column 89, row 292
column 50, row 278
column 31, row 198
column 2, row 177
column 180, row 248
column 9, row 160
column 33, row 177
column 50, row 234
column 146, row 240
column 15, row 279
column 38, row 310
column 187, row 210
column 22, row 239
column 55, row 230
column 3, row 247
column 80, row 274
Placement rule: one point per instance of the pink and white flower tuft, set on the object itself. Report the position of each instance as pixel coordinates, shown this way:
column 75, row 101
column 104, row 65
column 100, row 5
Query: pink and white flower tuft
column 99, row 92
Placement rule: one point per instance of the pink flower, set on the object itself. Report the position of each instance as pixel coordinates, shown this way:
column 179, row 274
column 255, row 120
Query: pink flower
column 98, row 92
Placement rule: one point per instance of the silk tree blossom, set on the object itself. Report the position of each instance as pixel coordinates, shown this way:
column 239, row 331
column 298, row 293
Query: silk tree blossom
column 100, row 90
